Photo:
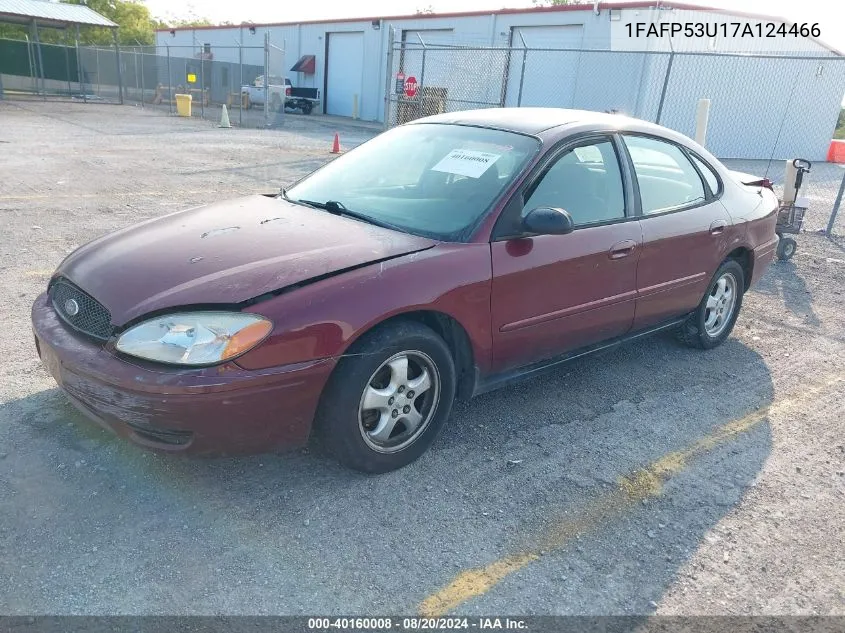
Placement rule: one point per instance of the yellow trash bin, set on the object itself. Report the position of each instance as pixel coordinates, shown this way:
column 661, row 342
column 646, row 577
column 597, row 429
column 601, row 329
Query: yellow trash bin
column 183, row 105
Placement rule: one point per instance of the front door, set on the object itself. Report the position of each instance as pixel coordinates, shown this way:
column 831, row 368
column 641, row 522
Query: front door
column 555, row 293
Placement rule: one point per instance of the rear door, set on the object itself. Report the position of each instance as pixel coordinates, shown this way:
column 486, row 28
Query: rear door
column 555, row 293
column 686, row 229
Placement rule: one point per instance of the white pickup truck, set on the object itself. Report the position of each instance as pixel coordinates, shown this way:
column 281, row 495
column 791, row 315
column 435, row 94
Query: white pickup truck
column 255, row 92
column 280, row 91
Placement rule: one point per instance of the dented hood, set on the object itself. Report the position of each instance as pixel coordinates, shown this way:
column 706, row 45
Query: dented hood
column 227, row 252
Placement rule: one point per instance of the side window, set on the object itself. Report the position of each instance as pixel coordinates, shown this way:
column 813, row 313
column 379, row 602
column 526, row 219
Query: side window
column 708, row 173
column 586, row 181
column 665, row 175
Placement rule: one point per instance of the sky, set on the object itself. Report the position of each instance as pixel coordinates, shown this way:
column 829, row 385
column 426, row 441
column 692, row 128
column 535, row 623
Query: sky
column 828, row 13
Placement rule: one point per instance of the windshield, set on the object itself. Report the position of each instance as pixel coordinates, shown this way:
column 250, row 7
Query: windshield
column 433, row 180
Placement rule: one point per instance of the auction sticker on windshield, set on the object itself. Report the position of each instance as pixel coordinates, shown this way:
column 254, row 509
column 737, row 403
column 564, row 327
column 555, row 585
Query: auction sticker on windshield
column 466, row 162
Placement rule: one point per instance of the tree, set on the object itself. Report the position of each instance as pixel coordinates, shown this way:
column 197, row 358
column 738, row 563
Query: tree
column 132, row 16
column 189, row 22
column 840, row 125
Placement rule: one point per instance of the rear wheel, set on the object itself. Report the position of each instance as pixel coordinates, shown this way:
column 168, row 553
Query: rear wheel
column 786, row 248
column 714, row 319
column 307, row 106
column 387, row 398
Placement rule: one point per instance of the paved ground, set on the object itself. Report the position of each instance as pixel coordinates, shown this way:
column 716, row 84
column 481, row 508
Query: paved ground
column 651, row 479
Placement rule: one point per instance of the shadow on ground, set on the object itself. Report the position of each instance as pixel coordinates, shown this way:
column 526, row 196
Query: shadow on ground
column 94, row 525
column 785, row 280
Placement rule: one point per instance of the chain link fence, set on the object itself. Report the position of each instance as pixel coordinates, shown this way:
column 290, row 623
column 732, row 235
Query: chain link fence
column 151, row 77
column 763, row 108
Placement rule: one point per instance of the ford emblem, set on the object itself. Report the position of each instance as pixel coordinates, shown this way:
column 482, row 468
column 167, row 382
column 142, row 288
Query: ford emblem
column 71, row 307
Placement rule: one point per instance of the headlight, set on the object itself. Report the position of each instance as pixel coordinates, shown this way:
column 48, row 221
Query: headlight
column 195, row 338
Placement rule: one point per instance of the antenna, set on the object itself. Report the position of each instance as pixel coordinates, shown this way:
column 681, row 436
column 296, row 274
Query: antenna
column 782, row 122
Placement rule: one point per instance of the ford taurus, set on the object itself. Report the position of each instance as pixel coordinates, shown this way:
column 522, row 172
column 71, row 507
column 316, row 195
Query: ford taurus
column 443, row 258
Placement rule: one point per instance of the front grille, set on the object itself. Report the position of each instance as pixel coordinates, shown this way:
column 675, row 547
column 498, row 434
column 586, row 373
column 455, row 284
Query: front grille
column 80, row 310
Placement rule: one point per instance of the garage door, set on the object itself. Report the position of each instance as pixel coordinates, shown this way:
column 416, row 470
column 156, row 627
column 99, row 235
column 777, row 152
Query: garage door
column 549, row 74
column 344, row 74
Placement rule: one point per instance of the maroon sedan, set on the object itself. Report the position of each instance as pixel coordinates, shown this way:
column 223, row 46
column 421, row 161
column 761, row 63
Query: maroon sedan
column 441, row 259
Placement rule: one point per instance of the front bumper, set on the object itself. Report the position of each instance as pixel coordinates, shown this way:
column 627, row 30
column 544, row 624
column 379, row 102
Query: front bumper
column 214, row 410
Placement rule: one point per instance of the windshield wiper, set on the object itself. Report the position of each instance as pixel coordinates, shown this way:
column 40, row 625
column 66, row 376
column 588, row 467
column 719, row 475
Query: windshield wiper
column 338, row 208
column 332, row 206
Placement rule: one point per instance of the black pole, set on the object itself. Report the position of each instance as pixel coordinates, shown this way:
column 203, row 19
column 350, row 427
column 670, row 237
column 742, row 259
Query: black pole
column 202, row 84
column 119, row 70
column 79, row 72
column 241, row 79
column 169, row 82
column 836, row 207
column 143, row 85
column 67, row 66
column 521, row 77
column 665, row 86
column 40, row 64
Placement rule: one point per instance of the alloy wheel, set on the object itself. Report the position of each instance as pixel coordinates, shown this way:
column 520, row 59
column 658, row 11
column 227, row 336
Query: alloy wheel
column 399, row 401
column 720, row 305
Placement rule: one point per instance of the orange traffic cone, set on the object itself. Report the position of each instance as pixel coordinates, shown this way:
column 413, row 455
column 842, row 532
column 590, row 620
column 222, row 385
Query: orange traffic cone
column 336, row 144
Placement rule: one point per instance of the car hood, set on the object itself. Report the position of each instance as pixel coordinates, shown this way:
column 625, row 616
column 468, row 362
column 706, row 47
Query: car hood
column 225, row 253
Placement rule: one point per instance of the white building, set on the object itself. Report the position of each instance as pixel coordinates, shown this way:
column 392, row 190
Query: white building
column 578, row 56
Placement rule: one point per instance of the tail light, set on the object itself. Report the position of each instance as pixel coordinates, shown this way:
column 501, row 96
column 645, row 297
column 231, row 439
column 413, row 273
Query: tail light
column 287, row 91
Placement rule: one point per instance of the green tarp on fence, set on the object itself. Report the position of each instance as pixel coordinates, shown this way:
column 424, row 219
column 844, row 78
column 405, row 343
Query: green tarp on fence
column 59, row 61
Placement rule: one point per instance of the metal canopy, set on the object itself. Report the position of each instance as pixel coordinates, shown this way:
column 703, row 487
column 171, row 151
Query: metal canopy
column 51, row 14
column 306, row 64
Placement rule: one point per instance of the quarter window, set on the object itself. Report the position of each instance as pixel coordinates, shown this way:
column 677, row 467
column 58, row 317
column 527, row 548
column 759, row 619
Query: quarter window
column 708, row 173
column 586, row 181
column 666, row 178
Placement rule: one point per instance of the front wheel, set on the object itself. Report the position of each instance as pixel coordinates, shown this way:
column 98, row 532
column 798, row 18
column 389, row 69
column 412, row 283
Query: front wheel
column 388, row 398
column 714, row 319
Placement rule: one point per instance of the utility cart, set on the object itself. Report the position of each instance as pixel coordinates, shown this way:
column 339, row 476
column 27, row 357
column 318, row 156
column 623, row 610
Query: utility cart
column 792, row 209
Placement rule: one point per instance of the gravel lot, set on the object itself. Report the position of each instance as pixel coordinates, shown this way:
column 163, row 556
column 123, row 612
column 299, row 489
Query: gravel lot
column 650, row 479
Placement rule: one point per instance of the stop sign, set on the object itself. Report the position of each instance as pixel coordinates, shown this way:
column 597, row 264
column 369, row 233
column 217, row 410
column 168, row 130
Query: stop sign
column 410, row 86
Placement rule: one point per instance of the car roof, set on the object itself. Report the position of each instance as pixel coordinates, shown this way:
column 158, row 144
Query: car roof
column 555, row 123
column 526, row 120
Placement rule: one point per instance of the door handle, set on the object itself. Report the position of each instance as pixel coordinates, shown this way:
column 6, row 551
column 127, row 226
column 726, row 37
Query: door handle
column 622, row 249
column 717, row 227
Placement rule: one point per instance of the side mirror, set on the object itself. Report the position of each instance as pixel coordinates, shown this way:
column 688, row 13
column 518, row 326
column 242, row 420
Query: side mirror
column 548, row 221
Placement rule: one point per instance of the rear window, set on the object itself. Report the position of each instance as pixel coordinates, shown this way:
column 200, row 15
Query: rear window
column 666, row 178
column 708, row 173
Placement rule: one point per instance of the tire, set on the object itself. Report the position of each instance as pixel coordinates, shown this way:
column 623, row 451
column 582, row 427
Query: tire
column 703, row 329
column 360, row 436
column 786, row 248
column 307, row 107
